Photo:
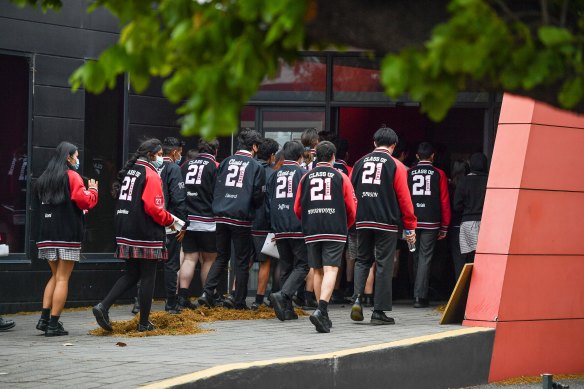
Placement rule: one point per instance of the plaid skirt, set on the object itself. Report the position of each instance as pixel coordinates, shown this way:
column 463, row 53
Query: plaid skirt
column 131, row 252
column 53, row 254
column 469, row 235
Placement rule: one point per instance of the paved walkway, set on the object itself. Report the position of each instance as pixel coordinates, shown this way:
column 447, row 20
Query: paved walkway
column 28, row 359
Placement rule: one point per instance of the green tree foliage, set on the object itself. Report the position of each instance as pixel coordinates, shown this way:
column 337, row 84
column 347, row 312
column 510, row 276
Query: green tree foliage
column 215, row 53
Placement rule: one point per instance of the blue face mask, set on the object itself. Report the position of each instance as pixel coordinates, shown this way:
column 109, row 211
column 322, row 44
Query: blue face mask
column 76, row 164
column 178, row 160
column 157, row 162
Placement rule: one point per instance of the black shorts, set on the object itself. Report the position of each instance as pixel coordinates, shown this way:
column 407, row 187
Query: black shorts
column 325, row 253
column 199, row 241
column 258, row 243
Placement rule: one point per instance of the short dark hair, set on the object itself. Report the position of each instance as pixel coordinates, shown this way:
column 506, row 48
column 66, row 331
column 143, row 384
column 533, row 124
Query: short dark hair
column 342, row 146
column 400, row 147
column 209, row 147
column 247, row 138
column 170, row 143
column 192, row 154
column 425, row 150
column 267, row 148
column 309, row 137
column 385, row 136
column 293, row 150
column 326, row 135
column 325, row 151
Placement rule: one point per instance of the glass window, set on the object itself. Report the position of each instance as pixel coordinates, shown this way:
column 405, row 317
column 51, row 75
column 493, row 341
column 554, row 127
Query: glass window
column 101, row 160
column 14, row 95
column 283, row 126
column 357, row 79
column 305, row 80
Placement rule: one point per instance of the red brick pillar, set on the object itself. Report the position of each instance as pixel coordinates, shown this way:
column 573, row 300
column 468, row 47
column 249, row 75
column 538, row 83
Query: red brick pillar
column 528, row 277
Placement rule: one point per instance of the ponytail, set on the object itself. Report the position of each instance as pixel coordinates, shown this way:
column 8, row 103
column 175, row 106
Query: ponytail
column 150, row 146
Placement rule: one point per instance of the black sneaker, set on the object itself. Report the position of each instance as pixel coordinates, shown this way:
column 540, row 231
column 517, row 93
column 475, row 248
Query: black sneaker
column 279, row 303
column 186, row 303
column 421, row 303
column 42, row 325
column 206, row 300
column 240, row 307
column 300, row 302
column 357, row 310
column 229, row 302
column 136, row 307
column 172, row 309
column 379, row 318
column 310, row 303
column 289, row 314
column 56, row 331
column 5, row 325
column 256, row 306
column 320, row 322
column 102, row 317
column 147, row 327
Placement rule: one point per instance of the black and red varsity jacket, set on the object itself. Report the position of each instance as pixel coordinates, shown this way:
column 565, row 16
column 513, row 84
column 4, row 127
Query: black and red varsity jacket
column 61, row 225
column 282, row 188
column 239, row 190
column 381, row 187
column 140, row 215
column 199, row 176
column 326, row 204
column 429, row 190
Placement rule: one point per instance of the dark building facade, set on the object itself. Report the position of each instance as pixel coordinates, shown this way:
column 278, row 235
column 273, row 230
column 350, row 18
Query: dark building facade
column 337, row 92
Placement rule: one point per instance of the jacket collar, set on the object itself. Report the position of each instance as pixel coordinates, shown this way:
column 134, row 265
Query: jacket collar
column 146, row 164
column 208, row 156
column 244, row 152
column 286, row 162
column 319, row 164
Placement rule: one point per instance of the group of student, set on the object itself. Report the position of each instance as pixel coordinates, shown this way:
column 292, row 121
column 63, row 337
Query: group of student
column 198, row 211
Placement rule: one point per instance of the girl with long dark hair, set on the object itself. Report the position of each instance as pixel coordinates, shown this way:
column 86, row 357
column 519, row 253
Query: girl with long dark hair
column 64, row 200
column 140, row 220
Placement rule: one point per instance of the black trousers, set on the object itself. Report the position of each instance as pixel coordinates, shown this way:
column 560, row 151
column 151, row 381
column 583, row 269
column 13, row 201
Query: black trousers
column 457, row 258
column 376, row 246
column 425, row 244
column 171, row 267
column 243, row 252
column 294, row 263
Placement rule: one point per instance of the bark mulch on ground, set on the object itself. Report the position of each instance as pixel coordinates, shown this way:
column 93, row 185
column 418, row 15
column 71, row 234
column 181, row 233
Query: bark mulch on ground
column 185, row 323
column 539, row 379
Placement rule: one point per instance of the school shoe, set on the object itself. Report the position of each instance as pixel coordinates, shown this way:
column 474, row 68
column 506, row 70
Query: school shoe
column 299, row 301
column 256, row 306
column 357, row 310
column 421, row 303
column 289, row 314
column 337, row 298
column 206, row 300
column 147, row 327
column 279, row 303
column 56, row 331
column 5, row 325
column 136, row 307
column 186, row 303
column 240, row 307
column 172, row 309
column 320, row 321
column 42, row 325
column 102, row 317
column 379, row 318
column 310, row 303
column 229, row 302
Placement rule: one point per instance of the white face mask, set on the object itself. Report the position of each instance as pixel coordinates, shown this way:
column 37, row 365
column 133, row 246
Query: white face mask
column 158, row 162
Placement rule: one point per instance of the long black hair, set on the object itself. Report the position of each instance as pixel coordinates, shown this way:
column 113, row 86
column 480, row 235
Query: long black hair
column 52, row 186
column 148, row 147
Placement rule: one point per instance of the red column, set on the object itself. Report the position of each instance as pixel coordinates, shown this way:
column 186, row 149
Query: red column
column 528, row 277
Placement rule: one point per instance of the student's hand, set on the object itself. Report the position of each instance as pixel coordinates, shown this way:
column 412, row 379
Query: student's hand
column 442, row 235
column 92, row 184
column 180, row 236
column 411, row 238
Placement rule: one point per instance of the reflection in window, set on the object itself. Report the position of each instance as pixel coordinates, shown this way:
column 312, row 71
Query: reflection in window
column 14, row 92
column 302, row 81
column 101, row 158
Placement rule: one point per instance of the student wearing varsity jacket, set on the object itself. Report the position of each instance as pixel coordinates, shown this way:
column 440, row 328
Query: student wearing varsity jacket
column 140, row 221
column 64, row 200
column 381, row 187
column 261, row 224
column 173, row 188
column 239, row 191
column 326, row 205
column 199, row 244
column 429, row 190
column 282, row 190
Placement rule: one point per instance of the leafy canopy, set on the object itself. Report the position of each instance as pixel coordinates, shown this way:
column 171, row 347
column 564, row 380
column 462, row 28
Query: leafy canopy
column 214, row 54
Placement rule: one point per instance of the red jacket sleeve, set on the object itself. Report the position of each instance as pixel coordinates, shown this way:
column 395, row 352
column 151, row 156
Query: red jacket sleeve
column 402, row 192
column 350, row 200
column 82, row 197
column 297, row 205
column 154, row 200
column 444, row 202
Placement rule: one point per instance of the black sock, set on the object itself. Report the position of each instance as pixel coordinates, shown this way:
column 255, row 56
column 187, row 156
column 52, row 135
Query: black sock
column 233, row 292
column 259, row 298
column 54, row 321
column 184, row 292
column 307, row 295
column 46, row 313
column 323, row 307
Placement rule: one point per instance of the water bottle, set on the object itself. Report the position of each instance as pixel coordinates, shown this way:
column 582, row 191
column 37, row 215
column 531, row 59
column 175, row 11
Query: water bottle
column 411, row 246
